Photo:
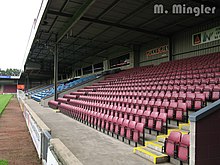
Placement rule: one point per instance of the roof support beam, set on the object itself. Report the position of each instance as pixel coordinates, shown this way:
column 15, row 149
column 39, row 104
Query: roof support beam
column 55, row 71
column 108, row 23
column 122, row 26
column 75, row 18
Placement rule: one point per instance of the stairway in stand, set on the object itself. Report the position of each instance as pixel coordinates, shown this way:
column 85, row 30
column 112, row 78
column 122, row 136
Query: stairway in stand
column 153, row 150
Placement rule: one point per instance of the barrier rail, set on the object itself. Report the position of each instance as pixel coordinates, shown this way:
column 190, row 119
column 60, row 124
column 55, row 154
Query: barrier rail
column 50, row 151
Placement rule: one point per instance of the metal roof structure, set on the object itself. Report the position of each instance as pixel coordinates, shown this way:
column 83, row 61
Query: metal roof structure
column 85, row 30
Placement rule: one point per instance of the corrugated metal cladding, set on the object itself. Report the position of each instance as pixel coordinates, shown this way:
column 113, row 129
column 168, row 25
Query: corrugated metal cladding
column 154, row 62
column 182, row 42
column 155, row 59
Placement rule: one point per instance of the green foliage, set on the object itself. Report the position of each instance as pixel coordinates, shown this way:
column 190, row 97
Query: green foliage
column 10, row 72
column 4, row 99
column 3, row 162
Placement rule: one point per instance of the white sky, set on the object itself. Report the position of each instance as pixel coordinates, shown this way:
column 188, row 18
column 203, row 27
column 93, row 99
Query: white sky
column 17, row 17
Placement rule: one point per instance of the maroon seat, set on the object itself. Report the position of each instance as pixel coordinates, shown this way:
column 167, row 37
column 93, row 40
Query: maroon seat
column 118, row 126
column 151, row 120
column 69, row 96
column 216, row 93
column 66, row 109
column 138, row 116
column 182, row 97
column 139, row 129
column 171, row 143
column 100, row 118
column 156, row 106
column 171, row 110
column 127, row 113
column 122, row 112
column 161, row 123
column 62, row 100
column 151, row 102
column 132, row 114
column 181, row 111
column 123, row 128
column 108, row 123
column 144, row 117
column 183, row 148
column 207, row 91
column 130, row 130
column 113, row 124
column 145, row 102
column 199, row 101
column 53, row 104
column 117, row 110
column 92, row 118
column 103, row 121
column 96, row 119
column 190, row 99
column 164, row 106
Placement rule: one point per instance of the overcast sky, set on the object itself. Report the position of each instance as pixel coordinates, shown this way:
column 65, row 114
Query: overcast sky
column 17, row 17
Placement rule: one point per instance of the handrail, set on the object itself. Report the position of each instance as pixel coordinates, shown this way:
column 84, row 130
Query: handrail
column 206, row 111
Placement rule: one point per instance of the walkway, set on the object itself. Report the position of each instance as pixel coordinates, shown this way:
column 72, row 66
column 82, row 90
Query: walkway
column 90, row 146
column 16, row 145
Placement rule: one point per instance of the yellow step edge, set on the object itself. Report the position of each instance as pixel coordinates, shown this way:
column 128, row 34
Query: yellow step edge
column 184, row 124
column 137, row 148
column 56, row 110
column 161, row 136
column 149, row 153
column 171, row 130
column 152, row 143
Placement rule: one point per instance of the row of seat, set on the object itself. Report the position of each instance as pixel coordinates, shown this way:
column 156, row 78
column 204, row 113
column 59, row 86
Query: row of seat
column 193, row 63
column 152, row 119
column 211, row 92
column 194, row 101
column 177, row 68
column 177, row 146
column 171, row 74
column 166, row 83
column 139, row 90
column 176, row 110
column 127, row 129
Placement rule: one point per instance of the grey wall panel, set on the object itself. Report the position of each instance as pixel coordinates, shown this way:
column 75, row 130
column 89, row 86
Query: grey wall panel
column 182, row 42
column 154, row 62
column 156, row 59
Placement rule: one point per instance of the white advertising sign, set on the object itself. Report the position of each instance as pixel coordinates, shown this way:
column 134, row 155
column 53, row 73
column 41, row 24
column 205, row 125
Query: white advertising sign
column 206, row 36
column 36, row 135
column 50, row 158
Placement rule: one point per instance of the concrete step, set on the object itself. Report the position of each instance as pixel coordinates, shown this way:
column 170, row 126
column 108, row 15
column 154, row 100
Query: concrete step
column 161, row 138
column 185, row 127
column 177, row 162
column 151, row 155
column 155, row 145
column 56, row 110
column 183, row 131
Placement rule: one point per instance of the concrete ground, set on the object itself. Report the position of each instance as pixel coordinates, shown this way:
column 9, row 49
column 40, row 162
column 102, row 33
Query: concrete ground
column 90, row 146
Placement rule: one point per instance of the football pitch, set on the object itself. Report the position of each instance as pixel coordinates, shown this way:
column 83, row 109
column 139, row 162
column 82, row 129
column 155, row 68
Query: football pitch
column 4, row 99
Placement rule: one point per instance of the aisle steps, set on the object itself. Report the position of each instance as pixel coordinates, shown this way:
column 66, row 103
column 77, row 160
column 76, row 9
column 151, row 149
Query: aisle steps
column 153, row 150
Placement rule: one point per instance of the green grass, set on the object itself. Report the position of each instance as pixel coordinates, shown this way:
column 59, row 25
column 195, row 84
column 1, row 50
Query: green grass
column 3, row 162
column 4, row 99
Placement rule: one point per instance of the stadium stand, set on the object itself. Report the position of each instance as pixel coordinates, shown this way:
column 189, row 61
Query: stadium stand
column 167, row 83
column 147, row 98
column 9, row 89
